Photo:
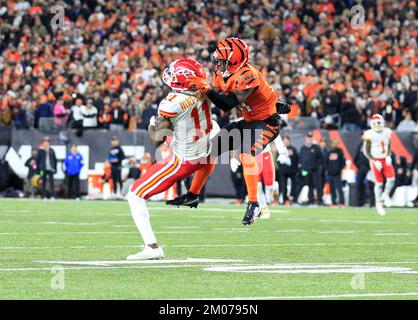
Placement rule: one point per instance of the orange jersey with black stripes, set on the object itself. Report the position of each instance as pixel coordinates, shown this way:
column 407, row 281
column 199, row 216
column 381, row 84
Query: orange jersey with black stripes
column 260, row 104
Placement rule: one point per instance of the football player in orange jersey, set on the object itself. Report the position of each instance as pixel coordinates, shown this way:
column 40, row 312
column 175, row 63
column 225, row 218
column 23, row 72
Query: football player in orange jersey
column 238, row 84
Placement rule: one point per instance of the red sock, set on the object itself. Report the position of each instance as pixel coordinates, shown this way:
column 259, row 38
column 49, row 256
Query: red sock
column 250, row 169
column 200, row 178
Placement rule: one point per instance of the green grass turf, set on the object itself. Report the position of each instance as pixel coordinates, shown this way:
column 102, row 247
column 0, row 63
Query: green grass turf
column 36, row 234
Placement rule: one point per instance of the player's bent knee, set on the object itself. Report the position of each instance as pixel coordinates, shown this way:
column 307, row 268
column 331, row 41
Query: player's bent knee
column 131, row 196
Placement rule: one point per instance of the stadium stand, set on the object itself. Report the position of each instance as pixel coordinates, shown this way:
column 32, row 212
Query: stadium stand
column 112, row 52
column 109, row 55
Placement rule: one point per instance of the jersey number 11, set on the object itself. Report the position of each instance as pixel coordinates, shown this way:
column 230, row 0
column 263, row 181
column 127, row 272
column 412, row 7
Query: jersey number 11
column 196, row 120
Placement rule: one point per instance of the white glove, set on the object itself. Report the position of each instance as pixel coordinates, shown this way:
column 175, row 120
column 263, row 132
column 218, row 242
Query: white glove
column 378, row 165
column 234, row 163
column 152, row 121
column 388, row 160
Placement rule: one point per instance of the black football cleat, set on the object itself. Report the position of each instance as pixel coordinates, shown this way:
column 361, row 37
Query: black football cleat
column 189, row 200
column 252, row 213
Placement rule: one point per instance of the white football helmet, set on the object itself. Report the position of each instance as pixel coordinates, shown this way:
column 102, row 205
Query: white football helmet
column 377, row 122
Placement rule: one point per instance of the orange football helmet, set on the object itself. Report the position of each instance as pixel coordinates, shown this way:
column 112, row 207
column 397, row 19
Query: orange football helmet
column 230, row 55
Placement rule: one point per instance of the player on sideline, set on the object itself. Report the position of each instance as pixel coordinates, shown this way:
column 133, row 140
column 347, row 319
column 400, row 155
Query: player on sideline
column 238, row 84
column 188, row 115
column 376, row 147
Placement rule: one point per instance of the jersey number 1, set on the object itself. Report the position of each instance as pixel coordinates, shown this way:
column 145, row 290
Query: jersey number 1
column 196, row 120
column 382, row 143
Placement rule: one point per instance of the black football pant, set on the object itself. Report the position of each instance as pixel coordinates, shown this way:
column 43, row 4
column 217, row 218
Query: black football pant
column 336, row 186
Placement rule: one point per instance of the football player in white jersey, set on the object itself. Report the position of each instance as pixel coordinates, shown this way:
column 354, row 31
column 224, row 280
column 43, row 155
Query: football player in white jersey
column 377, row 150
column 187, row 116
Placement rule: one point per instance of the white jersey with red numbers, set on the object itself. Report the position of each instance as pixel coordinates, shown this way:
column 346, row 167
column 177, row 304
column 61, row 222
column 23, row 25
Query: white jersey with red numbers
column 192, row 124
column 380, row 142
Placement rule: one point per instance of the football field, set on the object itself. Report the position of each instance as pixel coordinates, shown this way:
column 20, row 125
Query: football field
column 77, row 250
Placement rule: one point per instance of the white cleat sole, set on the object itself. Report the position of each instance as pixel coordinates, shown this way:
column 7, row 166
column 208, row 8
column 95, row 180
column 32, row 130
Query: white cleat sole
column 264, row 217
column 147, row 254
column 265, row 214
column 380, row 210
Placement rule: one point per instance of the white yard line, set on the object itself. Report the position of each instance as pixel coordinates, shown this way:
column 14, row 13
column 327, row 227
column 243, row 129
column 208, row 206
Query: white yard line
column 393, row 234
column 350, row 221
column 327, row 296
column 66, row 223
column 319, row 270
column 140, row 262
column 208, row 245
column 89, row 232
column 202, row 216
column 295, row 244
column 336, row 232
column 75, row 223
column 292, row 219
column 103, row 267
column 181, row 227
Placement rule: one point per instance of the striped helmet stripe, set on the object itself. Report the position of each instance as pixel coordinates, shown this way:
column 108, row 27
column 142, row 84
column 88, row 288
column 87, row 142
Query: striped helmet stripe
column 237, row 44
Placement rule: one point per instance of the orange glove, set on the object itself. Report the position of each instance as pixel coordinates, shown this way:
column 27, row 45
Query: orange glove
column 198, row 84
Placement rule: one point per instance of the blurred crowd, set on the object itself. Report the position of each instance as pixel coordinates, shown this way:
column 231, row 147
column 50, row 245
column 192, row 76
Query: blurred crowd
column 320, row 167
column 102, row 67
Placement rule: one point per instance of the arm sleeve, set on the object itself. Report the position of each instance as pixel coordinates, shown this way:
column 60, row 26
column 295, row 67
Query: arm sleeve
column 223, row 101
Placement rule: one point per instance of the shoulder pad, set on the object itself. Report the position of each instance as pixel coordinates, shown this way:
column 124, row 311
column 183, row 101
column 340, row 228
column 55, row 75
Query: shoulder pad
column 247, row 79
column 169, row 107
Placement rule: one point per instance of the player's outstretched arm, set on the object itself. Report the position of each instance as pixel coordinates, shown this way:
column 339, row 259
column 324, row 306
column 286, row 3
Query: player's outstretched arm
column 222, row 100
column 158, row 129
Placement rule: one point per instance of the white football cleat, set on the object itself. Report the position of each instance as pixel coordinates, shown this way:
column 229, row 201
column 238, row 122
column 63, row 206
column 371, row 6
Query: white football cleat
column 147, row 253
column 265, row 213
column 386, row 200
column 379, row 207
